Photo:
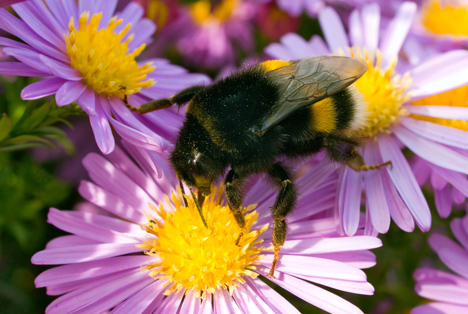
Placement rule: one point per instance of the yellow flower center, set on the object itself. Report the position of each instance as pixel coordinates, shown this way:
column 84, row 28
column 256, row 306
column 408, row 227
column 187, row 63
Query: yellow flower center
column 192, row 257
column 102, row 57
column 202, row 11
column 456, row 98
column 445, row 17
column 384, row 93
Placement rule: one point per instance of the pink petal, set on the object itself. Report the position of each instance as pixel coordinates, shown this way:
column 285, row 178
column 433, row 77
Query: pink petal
column 68, row 240
column 271, row 297
column 437, row 133
column 370, row 15
column 452, row 254
column 397, row 30
column 376, row 200
column 349, row 200
column 28, row 57
column 92, row 269
column 191, row 303
column 249, row 301
column 398, row 209
column 75, row 225
column 315, row 267
column 93, row 292
column 438, row 308
column 102, row 130
column 20, row 69
column 87, row 101
column 60, row 69
column 459, row 231
column 69, row 92
column 115, row 296
column 458, row 180
column 443, row 201
column 439, row 74
column 431, row 151
column 46, row 87
column 446, row 112
column 404, row 181
column 141, row 300
column 224, row 303
column 355, row 29
column 312, row 294
column 329, row 245
column 116, row 182
column 82, row 253
column 333, row 30
column 112, row 203
column 359, row 259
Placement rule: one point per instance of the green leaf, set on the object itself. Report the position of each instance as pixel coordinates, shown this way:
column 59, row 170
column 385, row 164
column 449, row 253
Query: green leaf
column 5, row 126
column 35, row 118
column 22, row 139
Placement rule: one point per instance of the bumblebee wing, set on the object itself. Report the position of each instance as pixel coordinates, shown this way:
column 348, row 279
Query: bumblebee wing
column 310, row 80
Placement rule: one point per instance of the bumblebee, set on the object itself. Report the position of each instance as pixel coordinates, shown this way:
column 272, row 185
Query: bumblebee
column 246, row 120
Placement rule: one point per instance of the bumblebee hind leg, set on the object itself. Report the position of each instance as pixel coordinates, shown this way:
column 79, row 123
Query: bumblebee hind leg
column 343, row 150
column 179, row 99
column 284, row 204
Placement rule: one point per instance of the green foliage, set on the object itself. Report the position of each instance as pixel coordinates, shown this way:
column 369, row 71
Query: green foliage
column 28, row 124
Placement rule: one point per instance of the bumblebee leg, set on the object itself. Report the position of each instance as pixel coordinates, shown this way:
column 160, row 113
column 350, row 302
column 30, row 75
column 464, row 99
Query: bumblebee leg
column 179, row 99
column 233, row 184
column 343, row 150
column 284, row 204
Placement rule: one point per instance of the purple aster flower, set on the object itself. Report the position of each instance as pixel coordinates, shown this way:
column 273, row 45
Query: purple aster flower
column 152, row 251
column 85, row 53
column 450, row 187
column 210, row 34
column 450, row 291
column 391, row 192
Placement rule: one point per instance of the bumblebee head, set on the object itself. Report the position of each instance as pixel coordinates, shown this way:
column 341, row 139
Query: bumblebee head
column 194, row 157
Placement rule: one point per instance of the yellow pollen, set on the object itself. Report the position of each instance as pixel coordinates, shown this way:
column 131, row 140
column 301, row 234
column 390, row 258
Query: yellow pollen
column 384, row 93
column 455, row 98
column 202, row 12
column 192, row 257
column 103, row 59
column 448, row 17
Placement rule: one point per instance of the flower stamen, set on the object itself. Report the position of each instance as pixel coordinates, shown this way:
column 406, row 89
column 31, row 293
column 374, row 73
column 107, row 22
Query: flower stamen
column 192, row 257
column 101, row 56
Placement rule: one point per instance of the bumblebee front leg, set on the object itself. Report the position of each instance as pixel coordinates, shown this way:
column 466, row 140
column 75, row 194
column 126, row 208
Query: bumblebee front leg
column 284, row 204
column 344, row 151
column 233, row 184
column 179, row 99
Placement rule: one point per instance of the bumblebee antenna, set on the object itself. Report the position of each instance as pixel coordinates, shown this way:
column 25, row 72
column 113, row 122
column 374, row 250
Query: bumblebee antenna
column 183, row 194
column 199, row 208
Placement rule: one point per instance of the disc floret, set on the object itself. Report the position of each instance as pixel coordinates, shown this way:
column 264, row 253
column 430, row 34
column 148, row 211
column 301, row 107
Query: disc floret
column 192, row 257
column 102, row 56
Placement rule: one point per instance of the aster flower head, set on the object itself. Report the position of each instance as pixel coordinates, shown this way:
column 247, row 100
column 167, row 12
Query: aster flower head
column 391, row 192
column 442, row 24
column 450, row 291
column 86, row 53
column 153, row 250
column 212, row 33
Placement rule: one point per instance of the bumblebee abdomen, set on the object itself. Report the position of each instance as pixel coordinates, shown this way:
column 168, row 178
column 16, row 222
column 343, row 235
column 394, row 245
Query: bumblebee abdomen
column 343, row 111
